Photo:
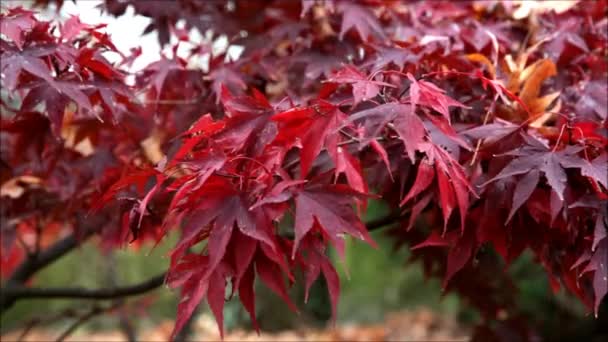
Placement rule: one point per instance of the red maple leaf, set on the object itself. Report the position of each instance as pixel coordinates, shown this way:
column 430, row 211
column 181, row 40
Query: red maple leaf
column 364, row 88
column 361, row 19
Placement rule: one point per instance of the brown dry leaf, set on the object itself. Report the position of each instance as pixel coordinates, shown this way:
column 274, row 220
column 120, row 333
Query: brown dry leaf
column 15, row 187
column 278, row 87
column 84, row 146
column 70, row 134
column 528, row 8
column 538, row 106
column 544, row 103
column 151, row 146
column 282, row 48
column 533, row 77
column 322, row 25
column 477, row 57
column 516, row 68
column 526, row 82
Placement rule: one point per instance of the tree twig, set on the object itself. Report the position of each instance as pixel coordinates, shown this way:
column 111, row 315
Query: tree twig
column 42, row 259
column 384, row 221
column 374, row 224
column 14, row 291
column 45, row 319
column 21, row 292
column 32, row 265
column 94, row 311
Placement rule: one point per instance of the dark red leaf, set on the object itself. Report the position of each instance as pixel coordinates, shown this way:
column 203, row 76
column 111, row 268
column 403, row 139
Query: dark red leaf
column 361, row 19
column 331, row 207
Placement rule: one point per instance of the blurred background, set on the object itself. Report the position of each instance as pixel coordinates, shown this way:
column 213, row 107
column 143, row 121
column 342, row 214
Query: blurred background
column 378, row 287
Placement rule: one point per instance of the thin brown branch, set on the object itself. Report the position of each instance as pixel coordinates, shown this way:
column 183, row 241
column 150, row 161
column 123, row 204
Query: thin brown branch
column 175, row 101
column 37, row 262
column 49, row 318
column 94, row 311
column 384, row 221
column 38, row 246
column 31, row 265
column 375, row 224
column 14, row 290
column 353, row 140
column 22, row 292
column 28, row 327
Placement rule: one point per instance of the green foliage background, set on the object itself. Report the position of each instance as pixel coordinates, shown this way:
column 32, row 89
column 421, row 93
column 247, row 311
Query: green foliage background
column 373, row 283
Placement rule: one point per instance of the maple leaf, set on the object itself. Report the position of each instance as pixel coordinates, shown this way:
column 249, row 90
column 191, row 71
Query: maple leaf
column 55, row 100
column 363, row 88
column 565, row 37
column 550, row 163
column 74, row 27
column 138, row 177
column 424, row 177
column 93, row 60
column 13, row 63
column 316, row 127
column 318, row 64
column 453, row 184
column 223, row 208
column 193, row 275
column 596, row 169
column 458, row 256
column 235, row 105
column 315, row 264
column 202, row 165
column 397, row 56
column 598, row 264
column 592, row 102
column 234, row 232
column 523, row 190
column 329, row 206
column 248, row 126
column 405, row 122
column 460, row 250
column 427, row 94
column 204, row 127
column 349, row 165
column 226, row 77
column 271, row 276
column 434, row 240
column 15, row 23
column 160, row 69
column 361, row 19
column 189, row 275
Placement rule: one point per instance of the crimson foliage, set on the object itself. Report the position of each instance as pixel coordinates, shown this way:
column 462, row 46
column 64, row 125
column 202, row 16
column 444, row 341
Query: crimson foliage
column 477, row 125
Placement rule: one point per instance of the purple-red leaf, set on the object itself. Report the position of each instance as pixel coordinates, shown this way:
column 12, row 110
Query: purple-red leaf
column 331, row 207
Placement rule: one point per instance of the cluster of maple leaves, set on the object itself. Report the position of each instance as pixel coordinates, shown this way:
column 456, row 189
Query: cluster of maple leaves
column 475, row 127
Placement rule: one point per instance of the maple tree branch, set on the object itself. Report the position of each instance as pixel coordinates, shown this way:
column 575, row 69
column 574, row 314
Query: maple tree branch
column 14, row 291
column 20, row 292
column 172, row 102
column 296, row 161
column 384, row 221
column 372, row 225
column 94, row 311
column 43, row 258
column 45, row 319
column 32, row 265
